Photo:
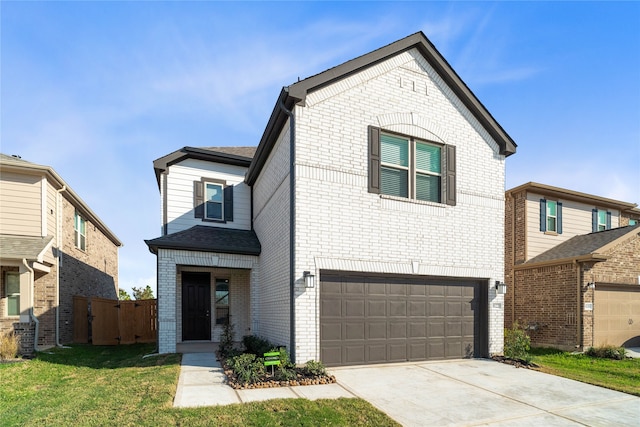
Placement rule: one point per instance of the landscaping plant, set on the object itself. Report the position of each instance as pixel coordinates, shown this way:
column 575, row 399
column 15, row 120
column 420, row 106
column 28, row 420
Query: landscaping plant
column 607, row 352
column 517, row 344
column 8, row 346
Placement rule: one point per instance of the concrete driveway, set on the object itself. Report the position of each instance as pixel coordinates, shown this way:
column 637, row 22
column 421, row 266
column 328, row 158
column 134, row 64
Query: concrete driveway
column 485, row 393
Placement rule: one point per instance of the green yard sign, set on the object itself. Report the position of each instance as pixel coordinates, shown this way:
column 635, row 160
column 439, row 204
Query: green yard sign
column 272, row 358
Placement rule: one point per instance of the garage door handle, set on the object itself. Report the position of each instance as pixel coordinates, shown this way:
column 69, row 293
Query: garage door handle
column 631, row 321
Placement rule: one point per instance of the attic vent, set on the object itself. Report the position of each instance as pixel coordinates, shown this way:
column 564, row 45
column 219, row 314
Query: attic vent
column 16, row 156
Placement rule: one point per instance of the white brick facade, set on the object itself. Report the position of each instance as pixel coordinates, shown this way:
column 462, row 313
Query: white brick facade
column 341, row 226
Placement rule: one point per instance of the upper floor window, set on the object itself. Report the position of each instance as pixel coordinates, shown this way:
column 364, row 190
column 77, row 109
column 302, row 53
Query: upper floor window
column 633, row 222
column 407, row 167
column 550, row 216
column 80, row 231
column 213, row 200
column 12, row 292
column 600, row 220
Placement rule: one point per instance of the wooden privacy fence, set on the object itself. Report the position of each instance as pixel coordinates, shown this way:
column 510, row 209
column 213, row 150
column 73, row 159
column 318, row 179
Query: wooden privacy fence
column 110, row 322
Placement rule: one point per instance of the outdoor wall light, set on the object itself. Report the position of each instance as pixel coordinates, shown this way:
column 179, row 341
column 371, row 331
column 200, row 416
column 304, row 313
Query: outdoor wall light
column 501, row 287
column 309, row 279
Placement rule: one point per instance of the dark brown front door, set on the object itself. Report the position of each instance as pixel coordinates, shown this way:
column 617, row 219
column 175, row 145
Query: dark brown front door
column 196, row 306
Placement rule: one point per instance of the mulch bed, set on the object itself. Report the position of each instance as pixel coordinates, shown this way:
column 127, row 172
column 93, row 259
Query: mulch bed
column 268, row 381
column 515, row 362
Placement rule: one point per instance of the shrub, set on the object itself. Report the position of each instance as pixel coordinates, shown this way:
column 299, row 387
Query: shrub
column 247, row 367
column 607, row 352
column 225, row 348
column 256, row 345
column 314, row 368
column 285, row 373
column 8, row 346
column 517, row 344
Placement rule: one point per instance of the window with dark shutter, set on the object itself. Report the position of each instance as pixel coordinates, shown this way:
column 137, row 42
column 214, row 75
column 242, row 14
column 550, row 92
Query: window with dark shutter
column 228, row 203
column 406, row 167
column 198, row 199
column 543, row 215
column 212, row 200
column 559, row 218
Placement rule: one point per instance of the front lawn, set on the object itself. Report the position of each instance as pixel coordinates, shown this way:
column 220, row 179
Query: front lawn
column 114, row 386
column 621, row 375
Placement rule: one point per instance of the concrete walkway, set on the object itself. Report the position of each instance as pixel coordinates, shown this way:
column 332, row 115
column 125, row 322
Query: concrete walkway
column 202, row 383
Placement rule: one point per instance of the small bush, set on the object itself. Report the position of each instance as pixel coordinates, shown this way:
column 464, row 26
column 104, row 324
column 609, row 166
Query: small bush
column 257, row 345
column 285, row 373
column 247, row 367
column 314, row 368
column 517, row 344
column 8, row 346
column 607, row 352
column 225, row 348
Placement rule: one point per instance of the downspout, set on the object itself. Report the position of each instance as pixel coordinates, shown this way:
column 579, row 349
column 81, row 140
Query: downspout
column 31, row 313
column 292, row 219
column 59, row 254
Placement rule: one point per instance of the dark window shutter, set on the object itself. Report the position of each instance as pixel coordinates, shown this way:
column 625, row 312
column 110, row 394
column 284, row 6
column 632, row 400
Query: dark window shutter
column 374, row 160
column 608, row 220
column 543, row 215
column 559, row 218
column 198, row 199
column 228, row 203
column 450, row 183
column 594, row 220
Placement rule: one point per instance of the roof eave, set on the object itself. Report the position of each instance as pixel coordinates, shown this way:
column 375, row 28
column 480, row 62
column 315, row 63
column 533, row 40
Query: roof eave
column 591, row 257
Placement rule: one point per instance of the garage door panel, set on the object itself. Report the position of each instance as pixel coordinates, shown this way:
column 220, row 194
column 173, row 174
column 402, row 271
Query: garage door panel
column 354, row 308
column 617, row 315
column 377, row 308
column 377, row 330
column 332, row 287
column 354, row 331
column 391, row 319
column 397, row 308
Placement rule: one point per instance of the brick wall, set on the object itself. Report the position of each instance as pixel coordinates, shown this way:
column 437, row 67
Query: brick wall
column 622, row 265
column 546, row 302
column 515, row 246
column 90, row 272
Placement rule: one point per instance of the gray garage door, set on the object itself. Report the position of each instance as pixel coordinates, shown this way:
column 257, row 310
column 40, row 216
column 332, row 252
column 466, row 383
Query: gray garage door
column 377, row 319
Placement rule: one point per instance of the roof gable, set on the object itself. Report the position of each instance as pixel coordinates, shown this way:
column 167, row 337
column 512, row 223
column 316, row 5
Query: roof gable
column 297, row 94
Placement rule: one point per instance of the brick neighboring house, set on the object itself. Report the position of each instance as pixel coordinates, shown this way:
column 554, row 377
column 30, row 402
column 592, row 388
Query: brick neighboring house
column 52, row 247
column 572, row 265
column 366, row 227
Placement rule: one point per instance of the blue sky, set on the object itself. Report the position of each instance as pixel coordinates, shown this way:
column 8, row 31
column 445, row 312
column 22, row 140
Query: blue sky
column 98, row 90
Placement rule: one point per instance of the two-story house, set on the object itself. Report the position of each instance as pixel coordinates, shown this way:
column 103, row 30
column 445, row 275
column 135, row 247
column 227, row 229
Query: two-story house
column 572, row 266
column 367, row 227
column 52, row 247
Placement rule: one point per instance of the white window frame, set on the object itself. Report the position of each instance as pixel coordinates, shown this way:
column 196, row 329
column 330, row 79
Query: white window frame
column 12, row 295
column 80, row 238
column 548, row 216
column 412, row 169
column 206, row 202
column 602, row 226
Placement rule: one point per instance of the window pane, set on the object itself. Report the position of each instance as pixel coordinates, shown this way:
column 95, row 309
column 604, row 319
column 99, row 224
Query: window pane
column 394, row 150
column 551, row 208
column 13, row 305
column 214, row 193
column 428, row 157
column 394, row 182
column 13, row 283
column 602, row 217
column 428, row 188
column 551, row 224
column 214, row 210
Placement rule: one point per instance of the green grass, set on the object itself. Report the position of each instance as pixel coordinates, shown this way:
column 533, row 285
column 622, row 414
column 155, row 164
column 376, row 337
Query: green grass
column 621, row 375
column 114, row 386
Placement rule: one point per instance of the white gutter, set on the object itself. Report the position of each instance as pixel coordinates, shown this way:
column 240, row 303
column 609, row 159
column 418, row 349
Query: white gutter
column 31, row 313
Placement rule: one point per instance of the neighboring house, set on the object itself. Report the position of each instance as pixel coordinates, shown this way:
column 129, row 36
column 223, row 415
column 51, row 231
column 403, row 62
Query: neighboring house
column 572, row 266
column 52, row 247
column 367, row 227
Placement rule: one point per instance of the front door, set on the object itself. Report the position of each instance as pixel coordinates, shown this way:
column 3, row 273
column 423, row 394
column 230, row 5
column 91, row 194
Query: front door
column 196, row 306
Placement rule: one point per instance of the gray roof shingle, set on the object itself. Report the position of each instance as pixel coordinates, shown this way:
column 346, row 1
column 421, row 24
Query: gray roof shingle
column 210, row 239
column 582, row 245
column 23, row 247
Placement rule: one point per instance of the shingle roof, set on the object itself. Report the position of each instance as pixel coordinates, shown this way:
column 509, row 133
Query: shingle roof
column 247, row 152
column 210, row 239
column 23, row 247
column 583, row 245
